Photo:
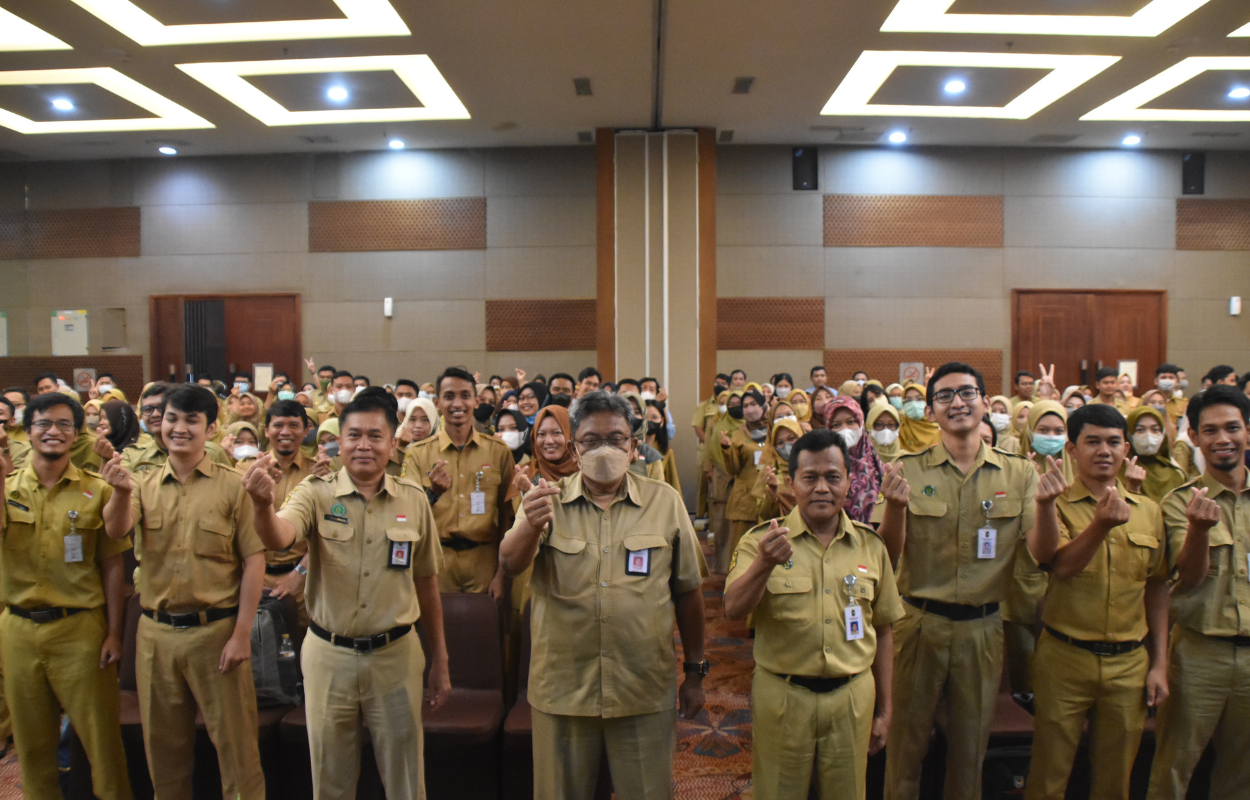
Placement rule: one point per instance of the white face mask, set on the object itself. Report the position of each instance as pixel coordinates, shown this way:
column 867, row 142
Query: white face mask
column 851, row 436
column 1147, row 444
column 861, row 381
column 1178, row 394
column 511, row 438
column 424, row 395
column 785, row 416
column 722, row 408
column 343, row 396
column 1167, row 384
column 885, row 437
column 782, row 391
column 512, row 406
column 403, row 402
column 647, row 396
column 104, row 387
column 605, row 464
column 245, row 451
column 1001, row 422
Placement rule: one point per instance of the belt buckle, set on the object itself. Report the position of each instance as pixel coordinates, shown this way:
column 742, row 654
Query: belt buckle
column 378, row 640
column 180, row 622
column 45, row 615
column 1103, row 649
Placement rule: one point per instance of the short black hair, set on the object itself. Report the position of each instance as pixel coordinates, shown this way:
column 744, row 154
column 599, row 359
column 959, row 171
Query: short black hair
column 598, row 402
column 372, row 398
column 586, row 373
column 954, row 368
column 494, row 378
column 1098, row 415
column 9, row 403
column 25, row 394
column 1242, row 381
column 1219, row 372
column 817, row 368
column 628, row 380
column 325, row 368
column 155, row 388
column 722, row 376
column 43, row 403
column 1106, row 372
column 654, row 380
column 1168, row 368
column 191, row 398
column 287, row 408
column 985, row 420
column 411, row 384
column 735, row 372
column 103, row 375
column 818, row 441
column 1024, row 373
column 342, row 373
column 364, row 378
column 205, row 376
column 564, row 375
column 459, row 373
column 1218, row 395
column 241, row 375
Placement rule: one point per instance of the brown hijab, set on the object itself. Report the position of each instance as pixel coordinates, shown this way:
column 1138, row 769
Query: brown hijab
column 566, row 465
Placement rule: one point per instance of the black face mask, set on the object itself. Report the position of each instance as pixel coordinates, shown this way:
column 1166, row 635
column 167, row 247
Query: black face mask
column 720, row 387
column 311, row 436
column 654, row 428
column 735, row 412
column 559, row 399
column 483, row 412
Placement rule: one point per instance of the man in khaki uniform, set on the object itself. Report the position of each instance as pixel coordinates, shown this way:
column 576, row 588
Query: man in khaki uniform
column 1167, row 380
column 1108, row 383
column 471, row 514
column 200, row 583
column 1107, row 597
column 821, row 589
column 615, row 562
column 1208, row 528
column 61, row 578
column 701, row 413
column 373, row 561
column 145, row 457
column 952, row 518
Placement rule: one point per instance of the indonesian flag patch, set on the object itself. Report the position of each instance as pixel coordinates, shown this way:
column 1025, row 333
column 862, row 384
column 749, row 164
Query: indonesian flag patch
column 400, row 518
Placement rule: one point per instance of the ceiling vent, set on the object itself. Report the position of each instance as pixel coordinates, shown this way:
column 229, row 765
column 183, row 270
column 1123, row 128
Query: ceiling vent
column 742, row 85
column 582, row 87
column 1216, row 134
column 316, row 140
column 1054, row 138
column 725, row 137
column 169, row 142
column 859, row 136
column 585, row 137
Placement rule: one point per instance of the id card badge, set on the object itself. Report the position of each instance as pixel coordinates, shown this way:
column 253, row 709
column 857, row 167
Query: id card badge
column 401, row 555
column 73, row 548
column 758, row 455
column 477, row 503
column 987, row 543
column 637, row 562
column 854, row 622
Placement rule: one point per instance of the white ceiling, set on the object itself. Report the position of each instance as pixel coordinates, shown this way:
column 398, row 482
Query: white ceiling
column 512, row 65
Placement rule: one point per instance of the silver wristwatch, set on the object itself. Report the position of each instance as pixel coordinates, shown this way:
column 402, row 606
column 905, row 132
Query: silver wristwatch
column 302, row 570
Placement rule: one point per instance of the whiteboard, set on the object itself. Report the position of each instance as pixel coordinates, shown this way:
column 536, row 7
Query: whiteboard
column 69, row 333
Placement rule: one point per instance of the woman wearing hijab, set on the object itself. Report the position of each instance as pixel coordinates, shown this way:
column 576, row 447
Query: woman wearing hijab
column 883, row 424
column 845, row 418
column 1000, row 419
column 802, row 406
column 241, row 442
column 119, row 424
column 511, row 428
column 718, row 491
column 530, row 399
column 915, row 432
column 420, row 423
column 657, row 436
column 742, row 453
column 91, row 414
column 1148, row 443
column 894, row 395
column 1020, row 418
column 773, row 497
column 484, row 411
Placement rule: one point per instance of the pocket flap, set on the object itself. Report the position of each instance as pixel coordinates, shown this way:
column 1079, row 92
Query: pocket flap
column 1143, row 540
column 153, row 522
column 789, row 584
column 16, row 514
column 1217, row 537
column 1006, row 508
column 334, row 531
column 89, row 521
column 927, row 507
column 403, row 534
column 644, row 541
column 566, row 544
column 220, row 527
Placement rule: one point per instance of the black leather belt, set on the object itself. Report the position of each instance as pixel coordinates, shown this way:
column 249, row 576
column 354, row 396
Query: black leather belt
column 1235, row 641
column 460, row 545
column 192, row 619
column 361, row 644
column 1097, row 648
column 42, row 615
column 818, row 685
column 953, row 611
column 280, row 569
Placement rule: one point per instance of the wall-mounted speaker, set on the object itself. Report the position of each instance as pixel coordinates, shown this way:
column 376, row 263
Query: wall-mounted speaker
column 1193, row 173
column 806, row 168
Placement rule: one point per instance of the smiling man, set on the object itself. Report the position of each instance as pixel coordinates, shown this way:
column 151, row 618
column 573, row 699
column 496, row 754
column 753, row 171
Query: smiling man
column 286, row 423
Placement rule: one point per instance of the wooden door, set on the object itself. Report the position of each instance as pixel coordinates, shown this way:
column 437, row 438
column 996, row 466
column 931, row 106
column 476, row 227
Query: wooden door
column 165, row 329
column 1131, row 326
column 259, row 329
column 1051, row 328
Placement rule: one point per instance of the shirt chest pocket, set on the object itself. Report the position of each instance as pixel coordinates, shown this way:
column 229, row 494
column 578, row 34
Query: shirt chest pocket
column 1004, row 510
column 214, row 539
column 19, row 530
column 336, row 541
column 790, row 597
column 646, row 554
column 1142, row 547
column 926, row 514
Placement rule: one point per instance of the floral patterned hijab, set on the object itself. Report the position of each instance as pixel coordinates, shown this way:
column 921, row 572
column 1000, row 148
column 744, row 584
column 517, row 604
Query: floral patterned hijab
column 864, row 470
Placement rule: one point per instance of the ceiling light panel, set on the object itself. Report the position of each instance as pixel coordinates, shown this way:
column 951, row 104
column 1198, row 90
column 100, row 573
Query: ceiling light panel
column 1244, row 30
column 438, row 100
column 870, row 71
column 930, row 16
column 363, row 18
column 16, row 34
column 168, row 114
column 1128, row 106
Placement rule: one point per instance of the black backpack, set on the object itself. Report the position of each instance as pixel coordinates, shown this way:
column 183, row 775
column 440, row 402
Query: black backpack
column 279, row 681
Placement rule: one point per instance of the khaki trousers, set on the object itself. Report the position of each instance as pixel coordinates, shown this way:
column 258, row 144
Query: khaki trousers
column 178, row 673
column 936, row 658
column 53, row 666
column 382, row 690
column 1071, row 684
column 795, row 728
column 718, row 496
column 1209, row 701
column 469, row 571
column 700, row 505
column 640, row 755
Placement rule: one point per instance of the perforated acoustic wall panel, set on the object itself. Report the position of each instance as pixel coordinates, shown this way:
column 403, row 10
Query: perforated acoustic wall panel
column 446, row 223
column 540, row 325
column 1212, row 224
column 770, row 323
column 883, row 364
column 22, row 370
column 70, row 233
column 857, row 220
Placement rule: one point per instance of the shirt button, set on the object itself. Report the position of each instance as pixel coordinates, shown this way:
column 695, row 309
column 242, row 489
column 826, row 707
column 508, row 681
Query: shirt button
column 604, row 583
column 364, row 605
column 605, row 549
column 462, row 495
column 828, row 622
column 787, row 583
column 366, row 573
column 828, row 649
column 368, row 541
column 1112, row 540
column 828, row 591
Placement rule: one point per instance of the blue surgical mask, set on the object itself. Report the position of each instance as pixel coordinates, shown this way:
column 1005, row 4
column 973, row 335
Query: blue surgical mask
column 143, row 423
column 1046, row 444
column 242, row 387
column 897, row 402
column 286, row 395
column 914, row 409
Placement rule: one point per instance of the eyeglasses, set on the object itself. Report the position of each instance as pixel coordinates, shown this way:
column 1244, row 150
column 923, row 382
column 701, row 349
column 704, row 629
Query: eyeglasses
column 150, row 411
column 595, row 442
column 41, row 425
column 947, row 396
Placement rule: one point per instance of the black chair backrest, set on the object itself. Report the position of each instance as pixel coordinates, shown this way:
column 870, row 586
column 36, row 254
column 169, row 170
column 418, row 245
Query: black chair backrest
column 471, row 630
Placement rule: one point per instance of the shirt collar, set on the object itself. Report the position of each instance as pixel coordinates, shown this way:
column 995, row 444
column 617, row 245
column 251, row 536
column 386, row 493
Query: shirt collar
column 444, row 441
column 344, row 486
column 1215, row 487
column 798, row 526
column 938, row 454
column 204, row 466
column 1078, row 491
column 26, row 477
column 575, row 489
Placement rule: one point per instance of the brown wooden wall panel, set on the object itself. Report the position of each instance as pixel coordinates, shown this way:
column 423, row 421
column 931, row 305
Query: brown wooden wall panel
column 770, row 323
column 22, row 371
column 1212, row 224
column 445, row 223
column 883, row 364
column 70, row 233
column 855, row 220
column 540, row 325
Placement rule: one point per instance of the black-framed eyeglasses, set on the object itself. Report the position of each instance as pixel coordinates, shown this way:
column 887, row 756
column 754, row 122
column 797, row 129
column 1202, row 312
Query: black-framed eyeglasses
column 41, row 425
column 589, row 443
column 150, row 411
column 947, row 396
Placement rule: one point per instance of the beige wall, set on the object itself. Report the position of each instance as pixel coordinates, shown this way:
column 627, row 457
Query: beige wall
column 1072, row 219
column 241, row 225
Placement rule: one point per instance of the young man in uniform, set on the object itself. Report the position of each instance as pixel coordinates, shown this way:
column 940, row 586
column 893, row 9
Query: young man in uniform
column 200, row 582
column 472, row 514
column 61, row 578
column 286, row 423
column 615, row 563
column 1024, row 387
column 952, row 518
column 1108, row 383
column 822, row 592
column 1208, row 529
column 1167, row 380
column 373, row 562
column 141, row 457
column 1103, row 654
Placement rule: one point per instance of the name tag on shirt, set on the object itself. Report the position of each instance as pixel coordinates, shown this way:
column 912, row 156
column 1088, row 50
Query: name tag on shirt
column 758, row 453
column 401, row 555
column 854, row 622
column 18, row 505
column 638, row 562
column 987, row 543
column 477, row 502
column 73, row 548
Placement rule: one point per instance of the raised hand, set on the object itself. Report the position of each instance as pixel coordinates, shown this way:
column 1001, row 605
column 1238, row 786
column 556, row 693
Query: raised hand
column 775, row 548
column 725, row 441
column 258, row 482
column 227, row 443
column 770, row 482
column 928, row 374
column 1046, row 384
column 103, row 448
column 440, row 477
column 1051, row 484
column 520, row 376
column 312, row 366
column 322, row 466
column 115, row 475
column 521, row 482
column 894, row 486
column 1112, row 510
column 1202, row 511
column 1134, row 475
column 538, row 506
column 662, row 395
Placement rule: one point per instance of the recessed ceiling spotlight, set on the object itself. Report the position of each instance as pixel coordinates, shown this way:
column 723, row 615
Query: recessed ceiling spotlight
column 167, row 151
column 396, row 144
column 1131, row 140
column 955, row 87
column 62, row 104
column 897, row 137
column 336, row 93
column 1240, row 93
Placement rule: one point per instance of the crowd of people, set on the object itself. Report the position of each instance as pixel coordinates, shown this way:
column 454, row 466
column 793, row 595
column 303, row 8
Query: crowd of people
column 894, row 547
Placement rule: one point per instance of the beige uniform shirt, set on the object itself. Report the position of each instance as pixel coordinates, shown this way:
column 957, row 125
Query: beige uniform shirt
column 743, row 463
column 1220, row 605
column 192, row 538
column 150, row 455
column 353, row 590
column 1106, row 601
column 299, row 469
column 800, row 624
column 34, row 523
column 603, row 634
column 484, row 464
column 940, row 557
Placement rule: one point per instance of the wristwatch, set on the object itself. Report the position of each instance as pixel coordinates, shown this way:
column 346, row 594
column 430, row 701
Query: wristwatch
column 691, row 667
column 301, row 569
